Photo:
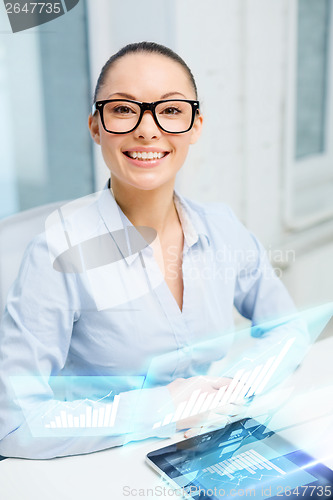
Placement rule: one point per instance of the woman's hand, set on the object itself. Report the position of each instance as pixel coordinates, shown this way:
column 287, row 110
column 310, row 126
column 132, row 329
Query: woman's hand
column 182, row 389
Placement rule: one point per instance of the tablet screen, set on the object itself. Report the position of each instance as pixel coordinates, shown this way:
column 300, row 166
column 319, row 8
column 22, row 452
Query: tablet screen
column 245, row 459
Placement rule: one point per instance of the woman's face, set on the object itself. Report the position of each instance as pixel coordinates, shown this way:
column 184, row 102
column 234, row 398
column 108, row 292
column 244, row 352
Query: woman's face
column 146, row 78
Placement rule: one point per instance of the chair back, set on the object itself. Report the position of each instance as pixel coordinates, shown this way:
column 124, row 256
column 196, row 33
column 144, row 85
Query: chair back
column 16, row 232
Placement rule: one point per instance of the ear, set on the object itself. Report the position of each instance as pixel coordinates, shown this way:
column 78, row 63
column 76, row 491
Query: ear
column 94, row 128
column 197, row 128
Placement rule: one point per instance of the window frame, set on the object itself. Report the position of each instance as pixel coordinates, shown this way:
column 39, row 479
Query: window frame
column 309, row 174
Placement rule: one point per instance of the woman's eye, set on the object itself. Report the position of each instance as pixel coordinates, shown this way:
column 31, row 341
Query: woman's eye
column 171, row 111
column 123, row 110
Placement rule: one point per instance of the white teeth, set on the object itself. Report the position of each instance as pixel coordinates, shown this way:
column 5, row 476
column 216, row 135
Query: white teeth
column 145, row 156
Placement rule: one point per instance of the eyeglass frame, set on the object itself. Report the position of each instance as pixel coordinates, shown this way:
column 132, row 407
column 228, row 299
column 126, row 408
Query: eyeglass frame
column 145, row 106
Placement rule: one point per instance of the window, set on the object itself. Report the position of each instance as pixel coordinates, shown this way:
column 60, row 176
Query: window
column 46, row 150
column 309, row 136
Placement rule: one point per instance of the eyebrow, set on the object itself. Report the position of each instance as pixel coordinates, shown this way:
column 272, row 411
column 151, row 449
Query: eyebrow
column 129, row 96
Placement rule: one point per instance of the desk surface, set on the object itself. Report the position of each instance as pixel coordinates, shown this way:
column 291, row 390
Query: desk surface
column 116, row 473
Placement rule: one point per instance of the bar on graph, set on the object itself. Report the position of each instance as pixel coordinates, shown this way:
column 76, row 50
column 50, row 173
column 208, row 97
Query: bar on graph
column 218, row 397
column 101, row 414
column 231, row 387
column 167, row 419
column 235, row 464
column 245, row 465
column 239, row 387
column 250, row 381
column 47, row 426
column 82, row 420
column 63, row 418
column 275, row 365
column 207, row 402
column 76, row 422
column 250, row 463
column 114, row 410
column 58, row 421
column 250, row 458
column 198, row 404
column 268, row 462
column 216, row 469
column 70, row 420
column 231, row 466
column 94, row 417
column 260, row 376
column 158, row 424
column 107, row 415
column 53, row 425
column 190, row 403
column 259, row 460
column 179, row 410
column 222, row 471
column 88, row 416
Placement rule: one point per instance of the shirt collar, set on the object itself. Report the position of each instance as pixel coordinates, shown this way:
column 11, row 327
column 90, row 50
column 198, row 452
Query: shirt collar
column 115, row 219
column 192, row 224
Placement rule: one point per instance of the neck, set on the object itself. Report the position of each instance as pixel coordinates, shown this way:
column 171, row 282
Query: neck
column 153, row 208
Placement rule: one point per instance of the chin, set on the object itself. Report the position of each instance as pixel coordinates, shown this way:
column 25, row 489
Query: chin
column 151, row 184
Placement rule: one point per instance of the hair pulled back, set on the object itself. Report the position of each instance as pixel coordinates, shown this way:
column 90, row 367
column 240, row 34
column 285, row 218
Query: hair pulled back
column 143, row 47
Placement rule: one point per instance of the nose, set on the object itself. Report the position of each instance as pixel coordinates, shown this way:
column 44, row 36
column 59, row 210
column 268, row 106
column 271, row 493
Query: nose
column 147, row 128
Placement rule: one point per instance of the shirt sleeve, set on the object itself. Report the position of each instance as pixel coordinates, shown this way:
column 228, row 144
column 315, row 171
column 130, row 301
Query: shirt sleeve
column 259, row 294
column 35, row 336
column 261, row 297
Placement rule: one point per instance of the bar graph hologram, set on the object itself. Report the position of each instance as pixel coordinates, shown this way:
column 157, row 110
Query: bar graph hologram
column 102, row 417
column 244, row 385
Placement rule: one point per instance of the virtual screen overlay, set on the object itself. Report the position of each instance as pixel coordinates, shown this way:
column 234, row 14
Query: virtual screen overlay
column 245, row 459
column 70, row 405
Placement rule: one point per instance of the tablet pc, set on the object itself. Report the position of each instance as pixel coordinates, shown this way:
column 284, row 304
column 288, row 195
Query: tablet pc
column 244, row 459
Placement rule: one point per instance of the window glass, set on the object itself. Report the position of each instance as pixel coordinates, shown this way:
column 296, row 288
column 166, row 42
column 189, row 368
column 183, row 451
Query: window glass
column 312, row 76
column 46, row 150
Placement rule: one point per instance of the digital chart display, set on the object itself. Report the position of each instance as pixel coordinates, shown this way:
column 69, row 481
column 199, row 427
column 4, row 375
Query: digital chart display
column 243, row 459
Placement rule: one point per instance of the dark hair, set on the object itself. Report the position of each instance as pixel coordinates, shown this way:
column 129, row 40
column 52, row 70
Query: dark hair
column 142, row 47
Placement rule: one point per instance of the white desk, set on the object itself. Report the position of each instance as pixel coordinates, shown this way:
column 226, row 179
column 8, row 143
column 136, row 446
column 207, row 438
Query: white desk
column 103, row 475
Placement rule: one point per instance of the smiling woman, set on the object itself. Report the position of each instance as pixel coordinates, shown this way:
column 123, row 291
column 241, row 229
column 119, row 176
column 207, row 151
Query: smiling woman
column 129, row 301
column 155, row 112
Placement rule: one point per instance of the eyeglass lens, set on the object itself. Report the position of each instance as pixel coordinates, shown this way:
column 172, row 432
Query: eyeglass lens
column 123, row 116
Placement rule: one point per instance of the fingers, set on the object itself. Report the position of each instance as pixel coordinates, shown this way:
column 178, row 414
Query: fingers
column 230, row 408
column 218, row 382
column 195, row 431
column 219, row 423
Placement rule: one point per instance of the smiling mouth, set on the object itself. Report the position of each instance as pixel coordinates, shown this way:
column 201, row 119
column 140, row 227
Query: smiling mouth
column 145, row 156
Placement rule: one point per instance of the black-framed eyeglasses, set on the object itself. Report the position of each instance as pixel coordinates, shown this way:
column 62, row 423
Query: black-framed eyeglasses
column 121, row 116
